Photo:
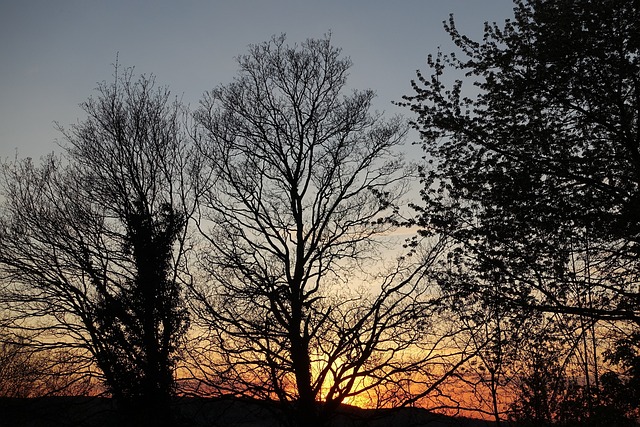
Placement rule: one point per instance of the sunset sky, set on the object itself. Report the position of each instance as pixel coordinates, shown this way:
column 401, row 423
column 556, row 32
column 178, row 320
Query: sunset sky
column 53, row 52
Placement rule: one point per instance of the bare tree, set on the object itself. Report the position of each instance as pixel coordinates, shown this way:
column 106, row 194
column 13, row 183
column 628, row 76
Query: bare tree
column 92, row 243
column 297, row 203
column 20, row 369
column 495, row 333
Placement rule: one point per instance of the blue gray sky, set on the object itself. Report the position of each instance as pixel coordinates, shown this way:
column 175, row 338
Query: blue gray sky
column 53, row 52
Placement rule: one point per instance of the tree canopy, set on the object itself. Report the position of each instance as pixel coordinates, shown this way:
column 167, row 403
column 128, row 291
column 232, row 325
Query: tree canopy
column 538, row 173
column 92, row 243
column 532, row 162
column 302, row 184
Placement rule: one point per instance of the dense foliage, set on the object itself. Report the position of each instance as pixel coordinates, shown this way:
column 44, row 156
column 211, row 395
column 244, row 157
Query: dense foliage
column 534, row 170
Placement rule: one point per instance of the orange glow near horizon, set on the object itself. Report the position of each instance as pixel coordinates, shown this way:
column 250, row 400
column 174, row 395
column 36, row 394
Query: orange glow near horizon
column 454, row 397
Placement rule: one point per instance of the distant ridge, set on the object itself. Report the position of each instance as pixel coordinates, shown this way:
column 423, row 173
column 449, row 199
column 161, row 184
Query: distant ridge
column 209, row 412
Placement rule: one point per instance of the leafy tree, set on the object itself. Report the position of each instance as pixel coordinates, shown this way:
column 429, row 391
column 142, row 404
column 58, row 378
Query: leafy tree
column 92, row 243
column 622, row 390
column 536, row 173
column 534, row 170
column 299, row 186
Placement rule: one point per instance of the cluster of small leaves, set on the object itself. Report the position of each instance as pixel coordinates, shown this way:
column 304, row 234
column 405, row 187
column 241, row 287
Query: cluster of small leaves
column 541, row 167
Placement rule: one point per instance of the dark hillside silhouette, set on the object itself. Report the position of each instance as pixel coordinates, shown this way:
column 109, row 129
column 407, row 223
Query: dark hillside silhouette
column 198, row 412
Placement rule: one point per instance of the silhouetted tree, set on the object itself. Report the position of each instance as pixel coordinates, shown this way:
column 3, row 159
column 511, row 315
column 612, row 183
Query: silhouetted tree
column 20, row 369
column 298, row 200
column 534, row 171
column 496, row 333
column 542, row 383
column 536, row 174
column 92, row 243
column 621, row 390
column 553, row 390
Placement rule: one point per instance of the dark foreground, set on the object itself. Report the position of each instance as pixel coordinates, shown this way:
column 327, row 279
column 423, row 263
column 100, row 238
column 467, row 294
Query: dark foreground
column 198, row 412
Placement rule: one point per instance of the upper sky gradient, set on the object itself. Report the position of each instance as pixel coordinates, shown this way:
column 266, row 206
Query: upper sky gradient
column 53, row 52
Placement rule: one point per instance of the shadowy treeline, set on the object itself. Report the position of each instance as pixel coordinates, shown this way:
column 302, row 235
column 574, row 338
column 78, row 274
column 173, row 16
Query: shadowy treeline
column 275, row 246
